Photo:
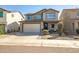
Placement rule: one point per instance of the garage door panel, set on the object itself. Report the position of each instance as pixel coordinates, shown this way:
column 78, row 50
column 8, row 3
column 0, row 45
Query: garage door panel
column 31, row 28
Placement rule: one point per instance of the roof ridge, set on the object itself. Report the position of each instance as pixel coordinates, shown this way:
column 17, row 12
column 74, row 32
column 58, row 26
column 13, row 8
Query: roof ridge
column 42, row 10
column 4, row 9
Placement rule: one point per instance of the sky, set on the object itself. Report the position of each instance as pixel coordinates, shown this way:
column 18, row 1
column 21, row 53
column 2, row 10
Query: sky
column 34, row 8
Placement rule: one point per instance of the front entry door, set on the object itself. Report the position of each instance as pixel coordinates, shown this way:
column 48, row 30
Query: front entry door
column 45, row 25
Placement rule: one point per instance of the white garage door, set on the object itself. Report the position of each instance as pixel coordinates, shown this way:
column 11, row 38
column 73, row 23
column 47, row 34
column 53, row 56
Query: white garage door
column 31, row 28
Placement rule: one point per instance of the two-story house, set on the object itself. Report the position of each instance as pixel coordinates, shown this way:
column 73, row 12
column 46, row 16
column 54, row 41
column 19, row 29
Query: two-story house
column 35, row 22
column 70, row 20
column 9, row 20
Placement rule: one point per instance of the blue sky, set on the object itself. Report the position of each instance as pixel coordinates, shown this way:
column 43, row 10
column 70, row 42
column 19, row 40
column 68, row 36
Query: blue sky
column 33, row 8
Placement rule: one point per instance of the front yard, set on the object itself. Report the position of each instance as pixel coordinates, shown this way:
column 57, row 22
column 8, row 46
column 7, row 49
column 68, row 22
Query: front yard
column 19, row 35
column 57, row 37
column 35, row 40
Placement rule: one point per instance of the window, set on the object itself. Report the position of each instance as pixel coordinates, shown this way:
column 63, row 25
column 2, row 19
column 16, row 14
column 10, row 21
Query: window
column 37, row 17
column 1, row 14
column 29, row 18
column 51, row 16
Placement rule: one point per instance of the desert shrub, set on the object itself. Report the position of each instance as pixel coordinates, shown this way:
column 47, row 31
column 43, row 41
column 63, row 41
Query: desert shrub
column 45, row 32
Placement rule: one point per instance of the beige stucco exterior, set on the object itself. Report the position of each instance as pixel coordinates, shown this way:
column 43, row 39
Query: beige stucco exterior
column 42, row 20
column 70, row 20
column 3, row 19
column 11, row 22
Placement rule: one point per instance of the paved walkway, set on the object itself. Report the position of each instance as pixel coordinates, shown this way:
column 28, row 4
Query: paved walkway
column 33, row 40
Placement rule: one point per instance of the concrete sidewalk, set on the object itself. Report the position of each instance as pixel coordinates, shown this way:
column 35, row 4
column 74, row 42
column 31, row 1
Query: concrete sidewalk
column 25, row 41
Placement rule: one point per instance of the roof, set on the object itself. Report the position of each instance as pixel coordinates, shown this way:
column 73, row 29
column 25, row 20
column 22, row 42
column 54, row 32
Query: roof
column 18, row 12
column 53, row 21
column 25, row 21
column 12, row 11
column 4, row 10
column 29, row 14
column 54, row 10
column 71, row 9
column 43, row 10
column 36, row 12
column 30, row 22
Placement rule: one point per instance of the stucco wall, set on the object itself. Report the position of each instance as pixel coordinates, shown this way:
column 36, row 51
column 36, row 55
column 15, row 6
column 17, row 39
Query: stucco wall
column 13, row 21
column 68, row 17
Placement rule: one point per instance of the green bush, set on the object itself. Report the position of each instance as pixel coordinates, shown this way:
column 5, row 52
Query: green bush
column 45, row 32
column 77, row 31
column 2, row 32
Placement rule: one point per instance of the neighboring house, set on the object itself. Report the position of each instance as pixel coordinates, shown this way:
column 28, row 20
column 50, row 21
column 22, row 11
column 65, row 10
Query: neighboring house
column 44, row 19
column 9, row 21
column 70, row 20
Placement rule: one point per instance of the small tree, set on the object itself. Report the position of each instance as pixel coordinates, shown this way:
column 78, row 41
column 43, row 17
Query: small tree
column 60, row 29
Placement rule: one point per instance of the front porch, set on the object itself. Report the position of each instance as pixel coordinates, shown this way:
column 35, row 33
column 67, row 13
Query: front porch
column 51, row 27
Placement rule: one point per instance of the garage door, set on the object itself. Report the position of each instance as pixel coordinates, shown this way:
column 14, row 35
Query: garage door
column 31, row 28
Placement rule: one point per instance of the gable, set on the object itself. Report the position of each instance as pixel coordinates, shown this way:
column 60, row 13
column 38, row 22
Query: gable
column 50, row 11
column 40, row 12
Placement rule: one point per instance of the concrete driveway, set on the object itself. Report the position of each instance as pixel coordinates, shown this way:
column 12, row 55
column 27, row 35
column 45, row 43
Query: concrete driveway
column 20, row 35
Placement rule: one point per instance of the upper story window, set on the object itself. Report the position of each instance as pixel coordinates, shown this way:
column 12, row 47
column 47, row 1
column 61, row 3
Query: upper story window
column 29, row 18
column 1, row 14
column 37, row 17
column 51, row 16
